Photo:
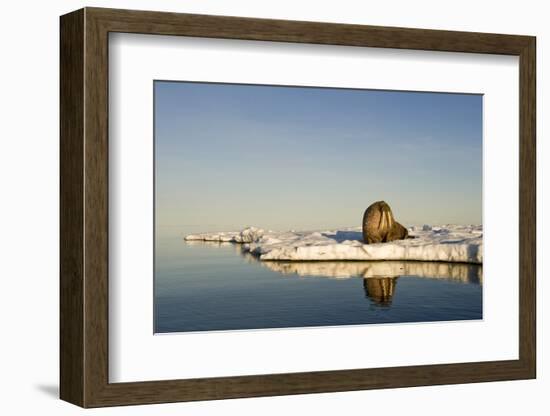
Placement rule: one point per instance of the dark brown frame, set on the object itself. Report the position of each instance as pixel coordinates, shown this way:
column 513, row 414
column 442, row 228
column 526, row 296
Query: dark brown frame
column 84, row 208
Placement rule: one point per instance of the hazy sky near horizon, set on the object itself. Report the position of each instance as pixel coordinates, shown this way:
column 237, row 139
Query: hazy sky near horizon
column 229, row 156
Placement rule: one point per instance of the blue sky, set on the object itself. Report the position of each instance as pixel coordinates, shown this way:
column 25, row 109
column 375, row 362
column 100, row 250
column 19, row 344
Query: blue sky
column 230, row 155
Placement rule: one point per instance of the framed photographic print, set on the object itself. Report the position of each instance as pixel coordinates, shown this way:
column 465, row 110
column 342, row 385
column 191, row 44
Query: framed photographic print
column 255, row 207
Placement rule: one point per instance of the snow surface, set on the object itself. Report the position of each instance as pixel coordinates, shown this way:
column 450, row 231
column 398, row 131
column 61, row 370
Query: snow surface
column 447, row 243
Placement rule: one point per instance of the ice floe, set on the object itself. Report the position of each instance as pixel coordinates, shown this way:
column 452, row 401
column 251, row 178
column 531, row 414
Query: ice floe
column 445, row 243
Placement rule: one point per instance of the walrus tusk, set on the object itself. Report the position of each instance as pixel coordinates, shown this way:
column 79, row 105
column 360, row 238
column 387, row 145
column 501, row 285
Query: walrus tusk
column 379, row 225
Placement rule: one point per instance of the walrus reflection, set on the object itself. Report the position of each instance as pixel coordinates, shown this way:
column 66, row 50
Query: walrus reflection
column 379, row 225
column 380, row 289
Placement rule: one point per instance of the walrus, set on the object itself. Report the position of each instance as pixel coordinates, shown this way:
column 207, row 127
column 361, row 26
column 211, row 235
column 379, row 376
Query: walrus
column 379, row 226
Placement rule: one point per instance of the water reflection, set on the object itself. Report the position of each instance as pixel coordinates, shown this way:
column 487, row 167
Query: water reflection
column 380, row 289
column 466, row 273
column 206, row 286
column 379, row 277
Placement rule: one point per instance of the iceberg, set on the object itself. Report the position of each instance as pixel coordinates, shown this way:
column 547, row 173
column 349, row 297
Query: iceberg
column 443, row 243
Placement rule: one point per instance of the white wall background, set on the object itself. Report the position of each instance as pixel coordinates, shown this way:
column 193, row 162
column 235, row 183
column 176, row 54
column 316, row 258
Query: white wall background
column 29, row 208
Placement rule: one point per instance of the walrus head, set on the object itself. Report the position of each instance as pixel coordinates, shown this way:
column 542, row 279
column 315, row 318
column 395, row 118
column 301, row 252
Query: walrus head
column 379, row 225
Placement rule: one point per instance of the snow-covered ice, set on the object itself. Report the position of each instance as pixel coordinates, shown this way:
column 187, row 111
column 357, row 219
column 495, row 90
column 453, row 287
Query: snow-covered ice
column 446, row 243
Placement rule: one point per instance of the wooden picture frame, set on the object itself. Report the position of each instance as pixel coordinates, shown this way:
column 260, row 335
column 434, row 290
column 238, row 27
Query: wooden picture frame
column 84, row 207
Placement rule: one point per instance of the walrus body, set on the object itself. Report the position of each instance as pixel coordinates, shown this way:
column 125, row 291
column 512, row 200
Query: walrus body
column 379, row 226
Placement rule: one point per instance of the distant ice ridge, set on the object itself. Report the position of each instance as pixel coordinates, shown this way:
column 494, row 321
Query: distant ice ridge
column 449, row 243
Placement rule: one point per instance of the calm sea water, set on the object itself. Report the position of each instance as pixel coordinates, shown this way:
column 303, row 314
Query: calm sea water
column 210, row 286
